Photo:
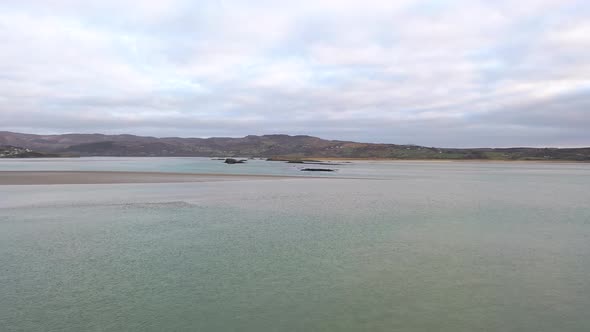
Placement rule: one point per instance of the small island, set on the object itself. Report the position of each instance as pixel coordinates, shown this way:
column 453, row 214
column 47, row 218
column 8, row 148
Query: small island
column 234, row 161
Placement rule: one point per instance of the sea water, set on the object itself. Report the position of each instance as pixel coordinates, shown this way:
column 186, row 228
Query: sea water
column 410, row 247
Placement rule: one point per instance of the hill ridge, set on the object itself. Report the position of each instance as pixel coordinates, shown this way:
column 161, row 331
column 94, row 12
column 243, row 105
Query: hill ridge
column 270, row 145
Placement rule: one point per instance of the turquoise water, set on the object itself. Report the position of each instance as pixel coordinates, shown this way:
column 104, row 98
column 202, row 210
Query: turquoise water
column 415, row 247
column 362, row 169
column 149, row 164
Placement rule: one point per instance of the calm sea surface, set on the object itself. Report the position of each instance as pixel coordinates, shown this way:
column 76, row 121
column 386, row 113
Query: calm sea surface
column 386, row 246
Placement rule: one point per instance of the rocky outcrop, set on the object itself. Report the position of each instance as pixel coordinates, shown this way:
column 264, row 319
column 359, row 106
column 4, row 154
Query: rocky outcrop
column 234, row 161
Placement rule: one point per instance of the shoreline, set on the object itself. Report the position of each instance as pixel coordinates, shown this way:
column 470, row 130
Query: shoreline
column 323, row 159
column 328, row 159
column 114, row 177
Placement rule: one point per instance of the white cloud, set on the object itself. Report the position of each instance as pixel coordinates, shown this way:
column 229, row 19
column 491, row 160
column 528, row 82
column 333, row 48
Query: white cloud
column 361, row 68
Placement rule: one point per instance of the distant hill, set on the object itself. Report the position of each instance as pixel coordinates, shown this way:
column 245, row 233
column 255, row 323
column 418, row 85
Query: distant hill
column 285, row 146
column 8, row 151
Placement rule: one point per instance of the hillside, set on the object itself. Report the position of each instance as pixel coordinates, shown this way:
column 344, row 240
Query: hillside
column 299, row 146
column 8, row 151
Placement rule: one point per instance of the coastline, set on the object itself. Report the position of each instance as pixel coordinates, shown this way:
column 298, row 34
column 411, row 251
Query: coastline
column 312, row 159
column 107, row 177
column 323, row 159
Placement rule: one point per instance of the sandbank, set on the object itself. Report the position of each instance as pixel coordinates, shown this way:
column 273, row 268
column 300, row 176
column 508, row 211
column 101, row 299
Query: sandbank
column 104, row 177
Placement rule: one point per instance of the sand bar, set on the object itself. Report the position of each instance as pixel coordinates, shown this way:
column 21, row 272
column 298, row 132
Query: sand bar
column 102, row 177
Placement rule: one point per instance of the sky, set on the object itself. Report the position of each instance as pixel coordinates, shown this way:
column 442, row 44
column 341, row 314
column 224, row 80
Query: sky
column 429, row 72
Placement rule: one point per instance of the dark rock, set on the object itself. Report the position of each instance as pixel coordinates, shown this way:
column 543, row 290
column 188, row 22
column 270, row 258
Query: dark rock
column 317, row 170
column 234, row 161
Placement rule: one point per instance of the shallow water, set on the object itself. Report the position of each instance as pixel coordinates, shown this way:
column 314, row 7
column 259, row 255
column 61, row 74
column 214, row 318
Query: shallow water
column 425, row 247
column 156, row 164
column 362, row 169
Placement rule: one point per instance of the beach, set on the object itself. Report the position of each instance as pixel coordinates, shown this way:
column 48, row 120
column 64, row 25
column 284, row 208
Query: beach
column 106, row 177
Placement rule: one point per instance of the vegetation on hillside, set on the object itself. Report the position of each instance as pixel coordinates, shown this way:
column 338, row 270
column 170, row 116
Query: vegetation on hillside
column 274, row 146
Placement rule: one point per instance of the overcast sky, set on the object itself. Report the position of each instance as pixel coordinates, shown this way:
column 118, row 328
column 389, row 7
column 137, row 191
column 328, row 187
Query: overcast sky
column 432, row 72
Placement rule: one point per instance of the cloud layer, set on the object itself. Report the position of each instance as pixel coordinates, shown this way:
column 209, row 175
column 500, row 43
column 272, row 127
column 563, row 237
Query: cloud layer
column 430, row 72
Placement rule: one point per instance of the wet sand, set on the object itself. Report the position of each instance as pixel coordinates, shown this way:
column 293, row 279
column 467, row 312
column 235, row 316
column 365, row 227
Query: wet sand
column 101, row 177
